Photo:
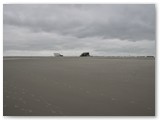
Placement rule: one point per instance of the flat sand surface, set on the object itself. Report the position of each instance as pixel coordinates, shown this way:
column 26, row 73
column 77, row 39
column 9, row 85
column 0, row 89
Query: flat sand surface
column 89, row 86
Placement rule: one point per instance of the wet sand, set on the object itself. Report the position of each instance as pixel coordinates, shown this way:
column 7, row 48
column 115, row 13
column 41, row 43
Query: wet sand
column 92, row 86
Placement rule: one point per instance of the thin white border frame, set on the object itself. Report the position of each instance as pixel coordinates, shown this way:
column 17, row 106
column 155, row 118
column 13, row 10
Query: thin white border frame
column 83, row 2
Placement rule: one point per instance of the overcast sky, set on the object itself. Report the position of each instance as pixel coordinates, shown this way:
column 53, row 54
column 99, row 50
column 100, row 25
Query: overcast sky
column 72, row 29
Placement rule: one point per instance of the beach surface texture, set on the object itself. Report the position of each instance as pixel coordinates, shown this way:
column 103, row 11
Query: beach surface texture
column 78, row 86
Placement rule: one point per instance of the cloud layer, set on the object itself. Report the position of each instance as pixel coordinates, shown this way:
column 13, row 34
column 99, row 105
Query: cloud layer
column 72, row 29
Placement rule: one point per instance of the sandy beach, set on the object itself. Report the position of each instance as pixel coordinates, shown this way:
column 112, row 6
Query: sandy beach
column 77, row 86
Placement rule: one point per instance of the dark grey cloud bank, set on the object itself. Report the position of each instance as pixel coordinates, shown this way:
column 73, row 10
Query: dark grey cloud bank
column 72, row 29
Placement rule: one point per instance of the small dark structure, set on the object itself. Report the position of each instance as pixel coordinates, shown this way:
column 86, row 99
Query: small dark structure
column 85, row 54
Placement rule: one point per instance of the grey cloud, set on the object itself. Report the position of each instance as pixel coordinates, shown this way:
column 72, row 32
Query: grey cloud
column 79, row 27
column 133, row 22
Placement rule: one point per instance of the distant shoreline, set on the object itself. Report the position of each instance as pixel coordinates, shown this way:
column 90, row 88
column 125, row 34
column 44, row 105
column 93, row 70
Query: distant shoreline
column 77, row 57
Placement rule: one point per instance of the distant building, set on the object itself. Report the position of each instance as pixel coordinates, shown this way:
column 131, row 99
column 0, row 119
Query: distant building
column 58, row 55
column 85, row 54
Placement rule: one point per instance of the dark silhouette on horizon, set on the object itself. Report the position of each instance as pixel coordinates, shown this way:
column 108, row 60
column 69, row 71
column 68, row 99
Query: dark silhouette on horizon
column 85, row 54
